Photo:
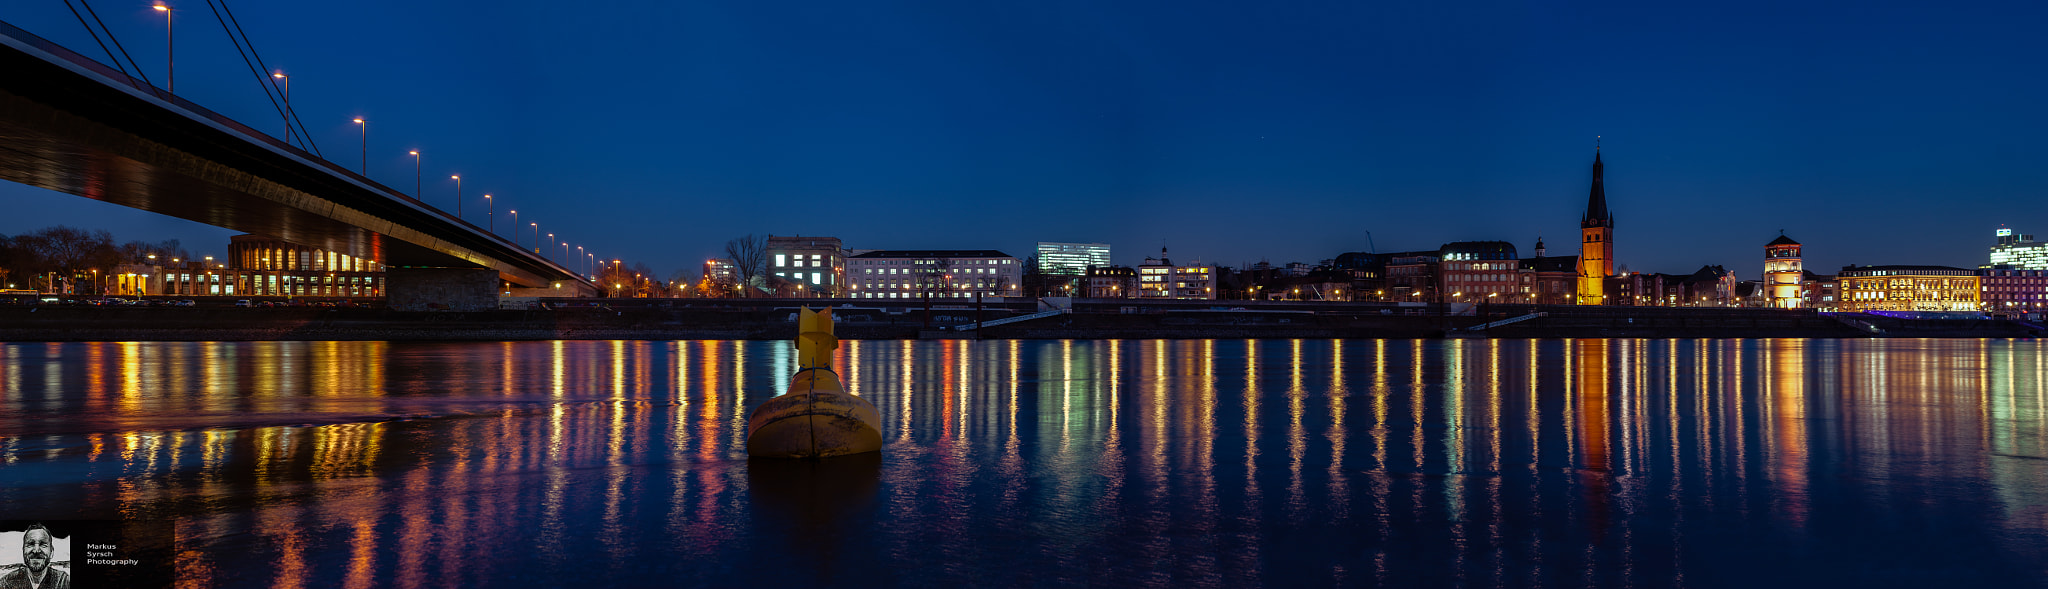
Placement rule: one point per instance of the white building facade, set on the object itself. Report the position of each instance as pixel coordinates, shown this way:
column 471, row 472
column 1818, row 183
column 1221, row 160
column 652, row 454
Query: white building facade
column 940, row 274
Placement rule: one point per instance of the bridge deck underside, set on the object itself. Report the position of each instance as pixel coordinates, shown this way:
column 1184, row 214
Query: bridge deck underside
column 62, row 131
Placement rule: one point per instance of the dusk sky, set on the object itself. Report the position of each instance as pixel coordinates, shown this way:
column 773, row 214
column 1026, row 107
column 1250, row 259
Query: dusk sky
column 1875, row 133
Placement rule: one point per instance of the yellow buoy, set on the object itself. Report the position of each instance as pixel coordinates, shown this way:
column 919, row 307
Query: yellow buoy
column 815, row 417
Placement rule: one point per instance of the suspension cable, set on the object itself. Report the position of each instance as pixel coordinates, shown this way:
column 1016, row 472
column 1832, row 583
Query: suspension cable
column 252, row 68
column 124, row 50
column 304, row 137
column 96, row 39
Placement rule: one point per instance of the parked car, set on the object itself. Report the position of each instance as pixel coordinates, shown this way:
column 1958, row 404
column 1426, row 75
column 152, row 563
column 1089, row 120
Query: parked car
column 244, row 303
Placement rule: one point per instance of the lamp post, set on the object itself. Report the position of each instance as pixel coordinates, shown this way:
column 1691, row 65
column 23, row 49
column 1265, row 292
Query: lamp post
column 287, row 80
column 416, row 177
column 170, row 49
column 458, row 194
column 536, row 237
column 366, row 145
column 490, row 214
column 515, row 227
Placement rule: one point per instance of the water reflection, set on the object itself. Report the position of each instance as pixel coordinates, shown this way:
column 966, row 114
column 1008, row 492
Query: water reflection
column 1207, row 463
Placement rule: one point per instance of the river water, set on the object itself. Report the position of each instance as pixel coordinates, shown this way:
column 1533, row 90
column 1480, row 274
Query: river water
column 1219, row 463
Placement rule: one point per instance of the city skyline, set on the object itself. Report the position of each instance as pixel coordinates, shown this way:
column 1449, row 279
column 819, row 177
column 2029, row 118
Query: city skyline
column 1137, row 131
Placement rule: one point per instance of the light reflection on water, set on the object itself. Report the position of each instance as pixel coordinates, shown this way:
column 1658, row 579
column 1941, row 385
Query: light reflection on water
column 1147, row 462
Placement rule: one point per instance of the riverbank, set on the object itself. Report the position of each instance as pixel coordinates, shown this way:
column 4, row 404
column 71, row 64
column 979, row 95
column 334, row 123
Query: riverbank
column 335, row 324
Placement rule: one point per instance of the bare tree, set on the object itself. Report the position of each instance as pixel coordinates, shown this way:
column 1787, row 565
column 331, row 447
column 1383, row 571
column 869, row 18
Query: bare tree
column 681, row 285
column 749, row 259
column 139, row 252
column 70, row 249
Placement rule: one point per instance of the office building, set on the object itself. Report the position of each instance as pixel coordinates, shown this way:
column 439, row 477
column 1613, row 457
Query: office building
column 1160, row 279
column 939, row 274
column 2018, row 251
column 817, row 265
column 2013, row 290
column 1071, row 259
column 1477, row 269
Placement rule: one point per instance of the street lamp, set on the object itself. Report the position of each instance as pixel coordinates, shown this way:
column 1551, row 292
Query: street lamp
column 458, row 194
column 416, row 177
column 366, row 145
column 287, row 80
column 490, row 214
column 536, row 237
column 170, row 49
column 515, row 227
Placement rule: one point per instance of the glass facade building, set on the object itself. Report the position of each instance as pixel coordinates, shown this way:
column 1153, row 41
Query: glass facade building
column 2018, row 251
column 1071, row 259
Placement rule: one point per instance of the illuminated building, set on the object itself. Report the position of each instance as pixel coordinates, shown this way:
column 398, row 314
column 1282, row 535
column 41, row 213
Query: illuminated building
column 1782, row 273
column 2018, row 251
column 265, row 266
column 1596, row 247
column 721, row 271
column 1907, row 288
column 1112, row 282
column 1547, row 280
column 2013, row 290
column 1821, row 291
column 1473, row 269
column 1412, row 275
column 1071, row 259
column 817, row 263
column 914, row 274
column 1159, row 278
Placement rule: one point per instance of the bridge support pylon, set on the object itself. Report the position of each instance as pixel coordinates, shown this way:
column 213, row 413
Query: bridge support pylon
column 441, row 289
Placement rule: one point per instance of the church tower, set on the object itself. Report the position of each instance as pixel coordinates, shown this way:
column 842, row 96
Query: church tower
column 1596, row 248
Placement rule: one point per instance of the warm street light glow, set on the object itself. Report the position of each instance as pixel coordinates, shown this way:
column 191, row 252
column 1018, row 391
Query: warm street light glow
column 170, row 49
column 366, row 145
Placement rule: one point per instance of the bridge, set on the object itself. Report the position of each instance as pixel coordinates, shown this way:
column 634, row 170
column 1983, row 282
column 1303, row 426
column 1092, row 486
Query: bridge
column 71, row 124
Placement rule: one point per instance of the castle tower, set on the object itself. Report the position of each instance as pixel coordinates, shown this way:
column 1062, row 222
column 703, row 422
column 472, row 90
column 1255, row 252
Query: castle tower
column 1783, row 272
column 1596, row 248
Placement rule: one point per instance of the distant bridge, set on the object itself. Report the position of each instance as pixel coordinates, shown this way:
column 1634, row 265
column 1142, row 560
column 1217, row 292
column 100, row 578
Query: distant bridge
column 71, row 124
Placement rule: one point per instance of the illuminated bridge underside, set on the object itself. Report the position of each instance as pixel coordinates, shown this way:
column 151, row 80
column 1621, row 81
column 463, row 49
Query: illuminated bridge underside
column 68, row 125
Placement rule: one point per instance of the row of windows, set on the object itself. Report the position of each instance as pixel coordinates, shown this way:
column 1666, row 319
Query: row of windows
column 907, row 271
column 954, row 261
column 907, row 285
column 900, row 295
column 1482, row 266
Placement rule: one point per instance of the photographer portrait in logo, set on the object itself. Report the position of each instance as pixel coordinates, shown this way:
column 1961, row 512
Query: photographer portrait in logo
column 40, row 566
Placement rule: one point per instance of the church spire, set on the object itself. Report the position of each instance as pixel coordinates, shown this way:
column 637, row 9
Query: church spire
column 1596, row 202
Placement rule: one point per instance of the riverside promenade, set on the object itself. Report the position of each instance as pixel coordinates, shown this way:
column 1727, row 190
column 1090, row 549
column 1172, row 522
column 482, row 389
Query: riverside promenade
column 671, row 319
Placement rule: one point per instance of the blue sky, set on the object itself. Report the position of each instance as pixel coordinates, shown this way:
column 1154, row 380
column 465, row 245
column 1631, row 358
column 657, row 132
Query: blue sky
column 1875, row 133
